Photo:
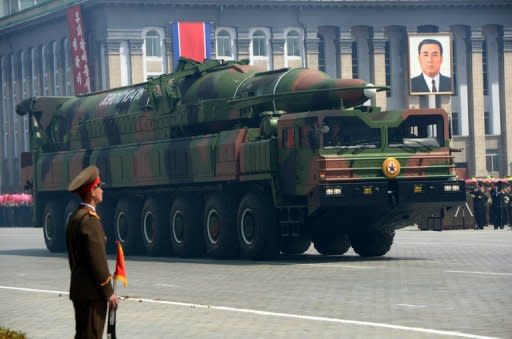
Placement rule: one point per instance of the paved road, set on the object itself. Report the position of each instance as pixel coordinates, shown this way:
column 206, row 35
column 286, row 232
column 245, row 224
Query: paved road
column 430, row 285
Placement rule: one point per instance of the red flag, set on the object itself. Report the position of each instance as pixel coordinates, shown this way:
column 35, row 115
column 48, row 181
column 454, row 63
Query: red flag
column 191, row 40
column 120, row 273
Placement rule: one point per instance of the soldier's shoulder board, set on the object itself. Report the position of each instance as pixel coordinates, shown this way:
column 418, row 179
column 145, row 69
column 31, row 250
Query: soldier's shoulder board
column 94, row 214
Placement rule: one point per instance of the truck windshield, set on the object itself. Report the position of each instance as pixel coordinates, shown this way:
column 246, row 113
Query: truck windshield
column 349, row 133
column 418, row 132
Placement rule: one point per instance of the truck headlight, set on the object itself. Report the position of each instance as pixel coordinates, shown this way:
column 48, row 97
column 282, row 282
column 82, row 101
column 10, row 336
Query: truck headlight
column 452, row 188
column 418, row 188
column 330, row 191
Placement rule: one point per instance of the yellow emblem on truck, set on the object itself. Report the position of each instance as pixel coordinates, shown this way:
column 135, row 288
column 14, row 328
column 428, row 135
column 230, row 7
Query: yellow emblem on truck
column 391, row 167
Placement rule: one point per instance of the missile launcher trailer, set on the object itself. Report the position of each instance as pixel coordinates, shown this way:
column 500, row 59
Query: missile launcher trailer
column 221, row 160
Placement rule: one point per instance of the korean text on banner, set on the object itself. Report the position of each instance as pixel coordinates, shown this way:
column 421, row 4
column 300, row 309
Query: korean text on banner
column 79, row 62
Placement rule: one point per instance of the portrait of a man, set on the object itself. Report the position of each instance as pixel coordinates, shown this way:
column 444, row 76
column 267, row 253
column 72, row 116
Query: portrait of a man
column 430, row 64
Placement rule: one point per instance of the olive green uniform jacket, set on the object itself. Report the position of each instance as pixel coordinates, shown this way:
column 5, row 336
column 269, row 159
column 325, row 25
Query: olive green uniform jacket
column 90, row 277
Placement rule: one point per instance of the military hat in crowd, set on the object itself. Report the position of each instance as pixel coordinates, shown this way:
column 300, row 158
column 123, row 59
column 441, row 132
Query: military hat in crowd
column 86, row 180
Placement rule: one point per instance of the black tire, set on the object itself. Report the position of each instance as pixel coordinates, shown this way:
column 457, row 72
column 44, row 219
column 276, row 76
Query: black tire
column 154, row 228
column 258, row 231
column 219, row 226
column 297, row 245
column 331, row 242
column 71, row 208
column 372, row 244
column 106, row 211
column 53, row 227
column 126, row 226
column 185, row 228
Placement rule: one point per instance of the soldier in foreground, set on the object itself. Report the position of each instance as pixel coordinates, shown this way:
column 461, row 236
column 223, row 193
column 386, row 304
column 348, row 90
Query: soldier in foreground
column 90, row 287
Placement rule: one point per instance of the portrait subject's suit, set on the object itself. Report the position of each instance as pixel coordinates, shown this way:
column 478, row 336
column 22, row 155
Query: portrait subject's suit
column 418, row 84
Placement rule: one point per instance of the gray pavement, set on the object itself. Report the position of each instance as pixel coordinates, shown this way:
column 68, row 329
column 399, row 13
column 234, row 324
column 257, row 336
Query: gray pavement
column 430, row 285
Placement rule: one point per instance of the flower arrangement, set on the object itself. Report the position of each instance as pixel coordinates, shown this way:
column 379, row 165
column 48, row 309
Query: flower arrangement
column 15, row 200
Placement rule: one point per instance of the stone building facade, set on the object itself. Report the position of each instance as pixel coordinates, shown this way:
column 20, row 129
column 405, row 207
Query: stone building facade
column 130, row 40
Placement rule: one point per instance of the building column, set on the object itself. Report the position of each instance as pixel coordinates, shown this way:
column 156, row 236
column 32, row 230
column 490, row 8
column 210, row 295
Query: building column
column 345, row 44
column 166, row 54
column 362, row 37
column 477, row 130
column 311, row 54
column 330, row 37
column 379, row 66
column 3, row 117
column 11, row 137
column 460, row 101
column 398, row 64
column 491, row 39
column 125, row 63
column 507, row 99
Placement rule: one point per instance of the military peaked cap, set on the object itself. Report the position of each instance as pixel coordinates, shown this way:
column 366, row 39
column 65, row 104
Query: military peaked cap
column 86, row 177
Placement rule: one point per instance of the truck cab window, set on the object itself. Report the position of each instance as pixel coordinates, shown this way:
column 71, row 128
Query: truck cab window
column 418, row 132
column 349, row 132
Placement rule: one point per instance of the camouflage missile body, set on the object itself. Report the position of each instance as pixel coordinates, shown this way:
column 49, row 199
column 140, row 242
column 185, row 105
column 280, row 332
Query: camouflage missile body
column 221, row 159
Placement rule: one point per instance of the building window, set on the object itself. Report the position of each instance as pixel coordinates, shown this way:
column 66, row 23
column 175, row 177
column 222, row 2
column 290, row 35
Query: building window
column 492, row 160
column 355, row 66
column 455, row 123
column 68, row 89
column 487, row 123
column 387, row 63
column 321, row 53
column 153, row 44
column 485, row 68
column 293, row 44
column 55, row 69
column 25, row 4
column 259, row 44
column 155, row 57
column 223, row 40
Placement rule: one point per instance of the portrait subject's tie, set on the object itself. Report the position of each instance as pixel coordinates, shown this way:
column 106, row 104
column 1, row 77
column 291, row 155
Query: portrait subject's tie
column 434, row 88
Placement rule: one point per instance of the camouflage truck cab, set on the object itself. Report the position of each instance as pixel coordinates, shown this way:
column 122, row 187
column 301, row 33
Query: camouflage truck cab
column 221, row 160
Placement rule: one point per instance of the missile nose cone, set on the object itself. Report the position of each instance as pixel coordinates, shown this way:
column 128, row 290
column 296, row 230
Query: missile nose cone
column 370, row 92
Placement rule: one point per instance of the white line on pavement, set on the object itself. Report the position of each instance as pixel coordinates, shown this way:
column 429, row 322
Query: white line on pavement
column 166, row 285
column 31, row 290
column 282, row 315
column 457, row 244
column 484, row 273
column 411, row 305
column 339, row 266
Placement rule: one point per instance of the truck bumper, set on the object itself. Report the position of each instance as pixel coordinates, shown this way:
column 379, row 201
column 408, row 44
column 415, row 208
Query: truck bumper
column 397, row 203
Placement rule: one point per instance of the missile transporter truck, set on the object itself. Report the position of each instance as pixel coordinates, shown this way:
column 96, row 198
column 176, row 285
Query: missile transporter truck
column 222, row 160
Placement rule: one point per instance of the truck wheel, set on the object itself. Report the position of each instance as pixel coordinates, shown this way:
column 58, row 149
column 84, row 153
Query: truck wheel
column 53, row 227
column 70, row 209
column 127, row 230
column 258, row 233
column 154, row 228
column 372, row 244
column 296, row 245
column 185, row 228
column 220, row 226
column 106, row 211
column 331, row 243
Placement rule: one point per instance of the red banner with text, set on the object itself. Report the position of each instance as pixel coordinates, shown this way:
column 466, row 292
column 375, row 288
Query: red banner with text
column 79, row 62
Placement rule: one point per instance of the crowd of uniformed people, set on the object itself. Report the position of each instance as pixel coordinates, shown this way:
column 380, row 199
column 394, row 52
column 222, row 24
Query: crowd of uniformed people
column 491, row 202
